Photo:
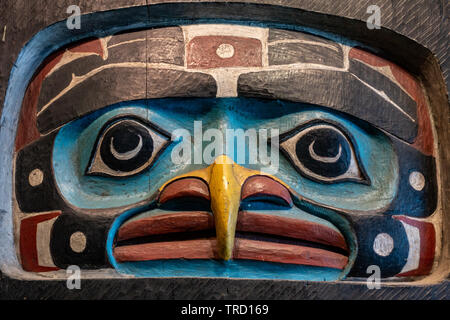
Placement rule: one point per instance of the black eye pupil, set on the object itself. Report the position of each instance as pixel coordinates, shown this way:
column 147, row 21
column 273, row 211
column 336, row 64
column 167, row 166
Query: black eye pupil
column 327, row 147
column 126, row 146
column 124, row 139
column 325, row 152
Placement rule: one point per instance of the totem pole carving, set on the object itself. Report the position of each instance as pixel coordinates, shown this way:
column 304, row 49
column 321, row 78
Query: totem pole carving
column 225, row 149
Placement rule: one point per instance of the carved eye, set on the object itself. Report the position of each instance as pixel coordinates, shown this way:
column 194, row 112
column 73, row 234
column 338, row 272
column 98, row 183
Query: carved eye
column 323, row 152
column 125, row 147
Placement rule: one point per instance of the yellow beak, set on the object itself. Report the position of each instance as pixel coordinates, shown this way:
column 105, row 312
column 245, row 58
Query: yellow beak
column 225, row 192
column 225, row 179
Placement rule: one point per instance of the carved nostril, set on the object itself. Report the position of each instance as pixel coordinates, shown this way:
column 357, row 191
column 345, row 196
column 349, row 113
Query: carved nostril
column 185, row 188
column 265, row 188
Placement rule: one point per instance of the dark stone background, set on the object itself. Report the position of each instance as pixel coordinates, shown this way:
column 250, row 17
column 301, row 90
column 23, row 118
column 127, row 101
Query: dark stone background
column 423, row 21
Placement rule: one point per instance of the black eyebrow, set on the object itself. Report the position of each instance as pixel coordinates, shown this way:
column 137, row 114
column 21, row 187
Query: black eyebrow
column 142, row 84
column 302, row 68
column 120, row 75
column 342, row 91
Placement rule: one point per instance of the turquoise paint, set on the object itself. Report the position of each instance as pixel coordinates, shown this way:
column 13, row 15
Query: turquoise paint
column 75, row 142
column 54, row 37
column 227, row 269
column 341, row 223
column 116, row 225
column 239, row 269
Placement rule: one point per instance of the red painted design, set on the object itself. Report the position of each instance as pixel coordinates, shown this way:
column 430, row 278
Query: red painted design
column 92, row 46
column 167, row 223
column 290, row 227
column 188, row 187
column 427, row 246
column 244, row 249
column 27, row 131
column 424, row 140
column 263, row 187
column 28, row 248
column 202, row 52
column 287, row 253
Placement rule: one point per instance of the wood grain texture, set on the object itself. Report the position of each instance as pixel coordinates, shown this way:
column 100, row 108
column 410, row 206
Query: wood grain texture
column 286, row 253
column 424, row 140
column 337, row 90
column 215, row 289
column 166, row 46
column 287, row 47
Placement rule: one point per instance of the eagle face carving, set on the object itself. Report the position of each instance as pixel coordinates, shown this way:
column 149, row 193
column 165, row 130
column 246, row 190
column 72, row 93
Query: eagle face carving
column 225, row 151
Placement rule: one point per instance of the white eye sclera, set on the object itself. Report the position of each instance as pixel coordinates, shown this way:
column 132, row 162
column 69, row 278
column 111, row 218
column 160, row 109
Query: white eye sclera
column 126, row 146
column 323, row 152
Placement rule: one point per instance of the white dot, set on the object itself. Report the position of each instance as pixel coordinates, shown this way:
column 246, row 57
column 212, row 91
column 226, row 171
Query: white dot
column 383, row 244
column 36, row 177
column 225, row 51
column 417, row 180
column 78, row 241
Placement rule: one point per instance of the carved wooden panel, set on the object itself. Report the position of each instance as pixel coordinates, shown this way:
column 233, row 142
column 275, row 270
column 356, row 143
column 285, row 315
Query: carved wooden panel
column 224, row 149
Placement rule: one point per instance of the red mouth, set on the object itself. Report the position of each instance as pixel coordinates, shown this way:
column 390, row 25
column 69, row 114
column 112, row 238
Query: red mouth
column 300, row 238
column 261, row 237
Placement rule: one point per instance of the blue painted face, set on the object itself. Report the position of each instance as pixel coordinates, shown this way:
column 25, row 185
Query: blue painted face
column 263, row 153
column 76, row 143
column 373, row 156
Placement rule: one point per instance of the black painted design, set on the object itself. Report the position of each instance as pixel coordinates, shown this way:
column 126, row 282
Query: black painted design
column 408, row 201
column 324, row 152
column 327, row 144
column 116, row 85
column 382, row 83
column 340, row 91
column 126, row 146
column 287, row 47
column 123, row 84
column 125, row 137
column 37, row 155
column 367, row 229
column 123, row 48
column 94, row 228
column 287, row 35
column 429, row 29
column 121, row 74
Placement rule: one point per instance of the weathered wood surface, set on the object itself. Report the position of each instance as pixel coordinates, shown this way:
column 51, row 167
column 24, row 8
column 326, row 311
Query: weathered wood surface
column 429, row 29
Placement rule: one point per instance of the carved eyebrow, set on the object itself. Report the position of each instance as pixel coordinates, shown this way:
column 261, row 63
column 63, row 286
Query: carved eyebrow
column 337, row 90
column 309, row 69
column 120, row 68
column 294, row 66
